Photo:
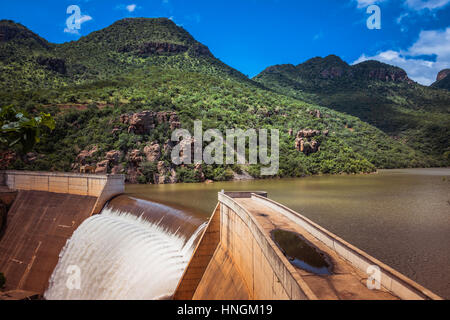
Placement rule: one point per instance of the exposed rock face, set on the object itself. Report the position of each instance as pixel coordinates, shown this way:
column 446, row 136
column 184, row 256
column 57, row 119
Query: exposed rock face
column 84, row 155
column 308, row 133
column 53, row 64
column 102, row 167
column 155, row 48
column 316, row 113
column 389, row 75
column 139, row 123
column 114, row 156
column 153, row 152
column 143, row 122
column 333, row 72
column 166, row 48
column 443, row 74
column 135, row 157
column 305, row 143
column 165, row 175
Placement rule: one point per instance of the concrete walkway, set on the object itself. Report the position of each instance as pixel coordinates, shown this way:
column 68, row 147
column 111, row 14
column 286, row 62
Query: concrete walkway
column 346, row 282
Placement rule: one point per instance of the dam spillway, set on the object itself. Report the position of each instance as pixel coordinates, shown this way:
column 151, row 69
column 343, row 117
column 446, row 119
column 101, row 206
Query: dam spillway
column 122, row 256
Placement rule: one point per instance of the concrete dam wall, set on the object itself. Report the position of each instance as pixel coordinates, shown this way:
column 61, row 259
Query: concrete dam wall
column 48, row 208
column 237, row 258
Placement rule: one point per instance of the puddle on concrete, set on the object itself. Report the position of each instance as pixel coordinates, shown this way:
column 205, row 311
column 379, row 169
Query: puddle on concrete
column 301, row 253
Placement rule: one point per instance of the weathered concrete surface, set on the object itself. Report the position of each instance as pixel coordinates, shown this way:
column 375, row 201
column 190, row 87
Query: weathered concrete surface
column 19, row 295
column 247, row 264
column 7, row 198
column 38, row 226
column 103, row 187
column 49, row 207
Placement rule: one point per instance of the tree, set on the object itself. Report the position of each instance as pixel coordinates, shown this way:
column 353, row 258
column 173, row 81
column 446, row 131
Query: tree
column 19, row 128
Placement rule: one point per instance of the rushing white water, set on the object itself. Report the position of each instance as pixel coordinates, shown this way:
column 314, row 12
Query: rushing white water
column 120, row 256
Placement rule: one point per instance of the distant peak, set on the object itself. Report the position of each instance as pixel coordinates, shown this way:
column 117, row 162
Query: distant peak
column 376, row 70
column 330, row 60
column 10, row 30
column 443, row 74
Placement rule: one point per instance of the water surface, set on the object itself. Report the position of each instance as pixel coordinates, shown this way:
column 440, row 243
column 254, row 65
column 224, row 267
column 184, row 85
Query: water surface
column 401, row 217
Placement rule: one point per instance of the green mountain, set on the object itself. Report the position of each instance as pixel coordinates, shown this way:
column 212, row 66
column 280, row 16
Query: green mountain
column 118, row 93
column 377, row 93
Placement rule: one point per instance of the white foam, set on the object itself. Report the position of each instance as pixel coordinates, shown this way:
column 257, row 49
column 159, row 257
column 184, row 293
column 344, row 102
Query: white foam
column 121, row 257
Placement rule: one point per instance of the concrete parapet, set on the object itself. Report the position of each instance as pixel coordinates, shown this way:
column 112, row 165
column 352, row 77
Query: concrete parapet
column 104, row 187
column 265, row 270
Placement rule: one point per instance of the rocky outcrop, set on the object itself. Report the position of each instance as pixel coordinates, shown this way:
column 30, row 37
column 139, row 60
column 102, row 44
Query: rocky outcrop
column 389, row 75
column 166, row 48
column 85, row 155
column 139, row 123
column 102, row 167
column 134, row 160
column 443, row 74
column 154, row 48
column 153, row 152
column 112, row 159
column 306, row 143
column 165, row 174
column 114, row 156
column 316, row 113
column 332, row 73
column 143, row 122
column 308, row 133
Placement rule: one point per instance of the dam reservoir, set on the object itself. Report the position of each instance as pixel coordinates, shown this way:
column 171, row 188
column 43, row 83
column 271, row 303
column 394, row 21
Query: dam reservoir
column 401, row 217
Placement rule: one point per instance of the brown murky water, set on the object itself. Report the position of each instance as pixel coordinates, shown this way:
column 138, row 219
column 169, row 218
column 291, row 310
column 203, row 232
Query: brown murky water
column 401, row 217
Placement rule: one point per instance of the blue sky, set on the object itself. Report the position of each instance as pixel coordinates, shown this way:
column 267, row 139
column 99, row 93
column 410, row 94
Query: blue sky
column 251, row 35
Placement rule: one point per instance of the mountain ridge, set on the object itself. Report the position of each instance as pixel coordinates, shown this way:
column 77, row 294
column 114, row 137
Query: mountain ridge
column 118, row 93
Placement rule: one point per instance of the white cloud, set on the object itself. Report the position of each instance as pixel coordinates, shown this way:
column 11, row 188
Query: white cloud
column 419, row 68
column 131, row 7
column 426, row 4
column 366, row 3
column 417, row 5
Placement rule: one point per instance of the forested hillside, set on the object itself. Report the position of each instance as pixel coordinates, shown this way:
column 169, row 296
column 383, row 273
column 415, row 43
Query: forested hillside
column 118, row 93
